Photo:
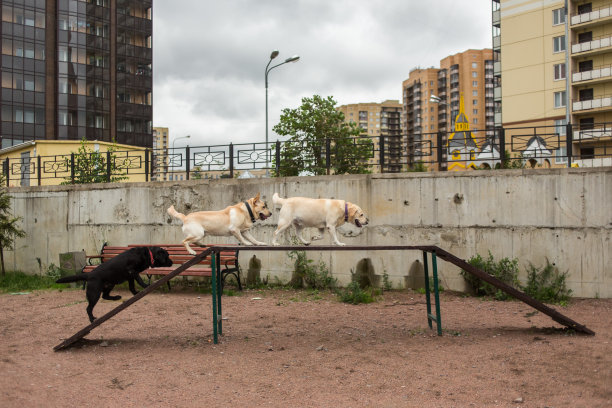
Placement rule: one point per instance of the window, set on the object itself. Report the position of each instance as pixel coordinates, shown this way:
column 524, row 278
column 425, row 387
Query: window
column 474, row 74
column 559, row 43
column 474, row 65
column 474, row 111
column 474, row 93
column 559, row 71
column 474, row 83
column 474, row 102
column 560, row 99
column 558, row 16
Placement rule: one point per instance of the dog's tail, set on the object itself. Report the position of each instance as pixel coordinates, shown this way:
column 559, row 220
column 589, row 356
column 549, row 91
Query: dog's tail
column 176, row 214
column 73, row 278
column 277, row 200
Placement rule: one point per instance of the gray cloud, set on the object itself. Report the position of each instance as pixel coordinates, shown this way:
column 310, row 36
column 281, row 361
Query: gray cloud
column 209, row 57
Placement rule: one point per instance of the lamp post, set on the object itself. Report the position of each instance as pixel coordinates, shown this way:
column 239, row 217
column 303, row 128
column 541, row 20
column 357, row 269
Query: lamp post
column 182, row 137
column 436, row 99
column 273, row 55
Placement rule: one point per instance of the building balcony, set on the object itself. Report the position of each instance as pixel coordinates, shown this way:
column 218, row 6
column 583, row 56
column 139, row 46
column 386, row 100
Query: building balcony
column 600, row 103
column 595, row 75
column 497, row 41
column 497, row 93
column 594, row 46
column 496, row 17
column 599, row 16
column 497, row 68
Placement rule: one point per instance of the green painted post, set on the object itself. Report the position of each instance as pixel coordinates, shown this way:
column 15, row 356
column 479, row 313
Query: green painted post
column 219, row 291
column 436, row 292
column 427, row 297
column 213, row 260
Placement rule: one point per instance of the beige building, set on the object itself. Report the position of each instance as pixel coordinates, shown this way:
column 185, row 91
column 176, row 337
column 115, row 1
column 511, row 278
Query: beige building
column 382, row 123
column 548, row 80
column 431, row 102
column 161, row 136
column 49, row 162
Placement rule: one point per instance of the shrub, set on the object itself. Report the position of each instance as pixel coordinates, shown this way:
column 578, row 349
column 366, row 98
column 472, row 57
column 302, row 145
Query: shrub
column 308, row 274
column 547, row 284
column 355, row 295
column 505, row 270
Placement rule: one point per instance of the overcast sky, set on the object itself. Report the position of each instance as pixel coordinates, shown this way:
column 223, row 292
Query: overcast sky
column 209, row 57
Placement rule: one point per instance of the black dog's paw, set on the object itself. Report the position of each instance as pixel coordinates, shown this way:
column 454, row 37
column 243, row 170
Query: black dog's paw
column 91, row 319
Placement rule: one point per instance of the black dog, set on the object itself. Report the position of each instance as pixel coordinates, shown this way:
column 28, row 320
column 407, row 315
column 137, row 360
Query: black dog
column 125, row 266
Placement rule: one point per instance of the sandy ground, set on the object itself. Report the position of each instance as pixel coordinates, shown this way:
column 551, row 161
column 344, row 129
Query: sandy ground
column 290, row 349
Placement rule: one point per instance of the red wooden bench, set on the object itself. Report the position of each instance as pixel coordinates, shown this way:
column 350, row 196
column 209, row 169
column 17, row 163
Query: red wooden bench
column 179, row 255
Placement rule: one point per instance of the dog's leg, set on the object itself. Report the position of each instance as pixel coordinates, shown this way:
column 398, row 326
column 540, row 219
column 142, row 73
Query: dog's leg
column 282, row 225
column 186, row 242
column 332, row 232
column 320, row 236
column 132, row 286
column 106, row 292
column 247, row 235
column 298, row 232
column 236, row 233
column 93, row 295
column 140, row 281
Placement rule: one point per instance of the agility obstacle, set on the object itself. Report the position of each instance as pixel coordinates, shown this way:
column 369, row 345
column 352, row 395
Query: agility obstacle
column 435, row 252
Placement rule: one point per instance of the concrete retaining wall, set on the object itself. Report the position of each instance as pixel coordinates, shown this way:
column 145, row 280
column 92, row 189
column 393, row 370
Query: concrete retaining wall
column 563, row 215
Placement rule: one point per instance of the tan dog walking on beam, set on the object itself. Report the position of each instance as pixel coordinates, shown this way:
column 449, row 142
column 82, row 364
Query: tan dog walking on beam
column 321, row 213
column 234, row 220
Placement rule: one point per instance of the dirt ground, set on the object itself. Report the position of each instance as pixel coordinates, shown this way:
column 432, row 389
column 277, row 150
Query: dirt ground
column 288, row 349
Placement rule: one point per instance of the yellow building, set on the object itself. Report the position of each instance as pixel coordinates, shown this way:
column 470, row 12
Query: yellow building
column 381, row 122
column 48, row 162
column 546, row 79
column 462, row 146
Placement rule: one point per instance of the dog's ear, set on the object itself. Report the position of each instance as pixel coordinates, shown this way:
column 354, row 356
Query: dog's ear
column 352, row 210
column 256, row 199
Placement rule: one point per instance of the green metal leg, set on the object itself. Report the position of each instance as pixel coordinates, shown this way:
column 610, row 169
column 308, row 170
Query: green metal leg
column 436, row 292
column 213, row 260
column 219, row 293
column 430, row 316
column 427, row 296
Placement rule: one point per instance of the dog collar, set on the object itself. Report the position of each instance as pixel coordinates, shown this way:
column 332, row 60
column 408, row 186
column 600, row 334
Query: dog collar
column 152, row 259
column 345, row 211
column 250, row 212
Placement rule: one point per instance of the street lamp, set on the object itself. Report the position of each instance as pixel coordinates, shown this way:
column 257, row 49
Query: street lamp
column 273, row 55
column 182, row 137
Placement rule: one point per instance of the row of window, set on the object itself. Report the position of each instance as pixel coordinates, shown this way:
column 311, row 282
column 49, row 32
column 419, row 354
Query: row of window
column 23, row 49
column 24, row 17
column 20, row 114
column 23, row 82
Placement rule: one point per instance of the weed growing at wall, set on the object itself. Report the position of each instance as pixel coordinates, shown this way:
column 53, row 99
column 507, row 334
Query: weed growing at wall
column 547, row 284
column 355, row 295
column 309, row 274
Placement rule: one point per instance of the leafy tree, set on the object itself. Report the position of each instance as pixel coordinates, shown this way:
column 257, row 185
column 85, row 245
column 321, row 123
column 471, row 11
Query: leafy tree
column 90, row 166
column 9, row 230
column 313, row 128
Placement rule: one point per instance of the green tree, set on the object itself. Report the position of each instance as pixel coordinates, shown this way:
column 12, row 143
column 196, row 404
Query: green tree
column 90, row 166
column 314, row 126
column 9, row 230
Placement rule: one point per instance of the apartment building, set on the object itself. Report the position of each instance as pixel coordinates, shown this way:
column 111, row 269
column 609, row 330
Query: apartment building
column 431, row 103
column 554, row 68
column 161, row 135
column 74, row 69
column 382, row 123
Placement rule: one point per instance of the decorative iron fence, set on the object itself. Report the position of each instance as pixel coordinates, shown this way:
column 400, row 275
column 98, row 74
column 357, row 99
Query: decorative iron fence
column 521, row 147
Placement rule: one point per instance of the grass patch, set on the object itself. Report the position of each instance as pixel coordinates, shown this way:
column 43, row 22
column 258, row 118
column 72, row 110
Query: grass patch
column 20, row 282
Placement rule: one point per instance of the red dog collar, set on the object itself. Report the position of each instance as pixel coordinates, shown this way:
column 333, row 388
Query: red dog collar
column 152, row 259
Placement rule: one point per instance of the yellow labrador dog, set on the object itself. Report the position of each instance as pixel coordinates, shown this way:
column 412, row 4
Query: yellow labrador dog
column 234, row 220
column 319, row 213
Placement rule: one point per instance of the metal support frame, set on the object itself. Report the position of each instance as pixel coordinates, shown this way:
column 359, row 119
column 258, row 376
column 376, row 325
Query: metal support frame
column 435, row 251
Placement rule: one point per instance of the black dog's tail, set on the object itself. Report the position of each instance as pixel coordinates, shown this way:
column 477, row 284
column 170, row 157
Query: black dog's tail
column 73, row 278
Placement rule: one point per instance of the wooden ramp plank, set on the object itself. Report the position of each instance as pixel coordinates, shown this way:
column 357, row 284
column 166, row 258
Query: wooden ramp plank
column 83, row 332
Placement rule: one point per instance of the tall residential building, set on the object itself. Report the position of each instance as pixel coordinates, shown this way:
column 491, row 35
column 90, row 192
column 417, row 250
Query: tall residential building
column 427, row 123
column 550, row 80
column 382, row 123
column 74, row 69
